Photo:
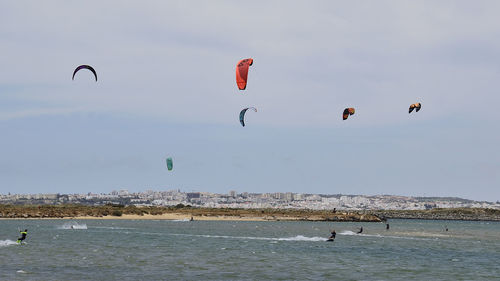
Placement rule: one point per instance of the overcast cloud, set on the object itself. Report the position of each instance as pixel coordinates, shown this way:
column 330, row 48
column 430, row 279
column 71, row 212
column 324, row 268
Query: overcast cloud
column 167, row 87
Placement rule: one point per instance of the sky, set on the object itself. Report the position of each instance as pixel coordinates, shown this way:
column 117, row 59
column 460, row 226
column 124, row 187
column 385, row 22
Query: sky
column 166, row 88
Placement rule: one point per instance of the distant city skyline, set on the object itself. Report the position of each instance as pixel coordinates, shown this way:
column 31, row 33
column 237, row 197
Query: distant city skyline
column 248, row 200
column 238, row 192
column 235, row 193
column 167, row 88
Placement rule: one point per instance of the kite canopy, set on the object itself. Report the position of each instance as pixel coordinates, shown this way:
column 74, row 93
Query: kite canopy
column 83, row 66
column 416, row 106
column 242, row 73
column 242, row 114
column 170, row 164
column 347, row 112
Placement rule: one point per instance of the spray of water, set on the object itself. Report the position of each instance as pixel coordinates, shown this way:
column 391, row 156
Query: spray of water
column 73, row 225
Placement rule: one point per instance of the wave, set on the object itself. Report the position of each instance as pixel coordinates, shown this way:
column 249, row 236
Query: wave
column 73, row 225
column 4, row 243
column 181, row 220
column 295, row 238
column 409, row 236
column 303, row 238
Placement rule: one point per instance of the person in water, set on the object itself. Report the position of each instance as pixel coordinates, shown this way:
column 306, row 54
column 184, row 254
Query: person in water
column 23, row 236
column 332, row 237
column 360, row 230
column 386, row 226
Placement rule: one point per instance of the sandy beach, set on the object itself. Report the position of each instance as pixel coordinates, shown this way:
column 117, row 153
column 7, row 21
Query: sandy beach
column 172, row 216
column 175, row 216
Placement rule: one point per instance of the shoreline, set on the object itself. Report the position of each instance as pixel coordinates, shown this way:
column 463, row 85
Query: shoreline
column 168, row 217
column 119, row 212
column 176, row 213
column 228, row 218
column 184, row 217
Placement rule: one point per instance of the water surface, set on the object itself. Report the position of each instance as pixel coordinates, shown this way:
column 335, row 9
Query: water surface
column 211, row 250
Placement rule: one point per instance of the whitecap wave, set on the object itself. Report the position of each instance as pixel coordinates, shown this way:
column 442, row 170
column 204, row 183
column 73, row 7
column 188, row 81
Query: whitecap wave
column 7, row 242
column 73, row 225
column 347, row 232
column 295, row 238
column 181, row 220
column 303, row 238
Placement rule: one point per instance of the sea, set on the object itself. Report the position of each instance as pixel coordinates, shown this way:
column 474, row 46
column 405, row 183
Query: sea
column 236, row 250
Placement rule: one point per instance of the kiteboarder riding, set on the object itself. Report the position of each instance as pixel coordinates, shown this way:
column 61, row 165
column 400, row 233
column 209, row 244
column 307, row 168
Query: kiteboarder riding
column 23, row 236
column 360, row 230
column 332, row 237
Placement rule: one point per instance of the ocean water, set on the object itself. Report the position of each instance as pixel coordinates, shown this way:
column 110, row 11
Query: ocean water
column 211, row 250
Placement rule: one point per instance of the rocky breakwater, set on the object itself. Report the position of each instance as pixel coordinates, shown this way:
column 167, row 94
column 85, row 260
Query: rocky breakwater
column 468, row 214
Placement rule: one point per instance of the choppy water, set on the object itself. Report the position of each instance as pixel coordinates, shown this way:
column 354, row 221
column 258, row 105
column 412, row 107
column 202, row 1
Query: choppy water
column 166, row 250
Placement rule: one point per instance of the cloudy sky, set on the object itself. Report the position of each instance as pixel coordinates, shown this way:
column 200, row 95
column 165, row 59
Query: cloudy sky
column 167, row 88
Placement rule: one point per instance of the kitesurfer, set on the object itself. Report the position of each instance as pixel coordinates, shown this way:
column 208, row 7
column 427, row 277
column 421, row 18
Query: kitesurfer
column 360, row 230
column 23, row 236
column 333, row 235
column 386, row 226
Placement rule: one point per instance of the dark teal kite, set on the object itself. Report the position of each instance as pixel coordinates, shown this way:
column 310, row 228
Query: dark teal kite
column 242, row 115
column 170, row 164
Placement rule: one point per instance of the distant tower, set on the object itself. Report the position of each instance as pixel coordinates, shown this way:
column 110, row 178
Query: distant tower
column 232, row 193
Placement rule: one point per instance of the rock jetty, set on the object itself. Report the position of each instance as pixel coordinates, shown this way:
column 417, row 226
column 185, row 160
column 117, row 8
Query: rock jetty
column 469, row 214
